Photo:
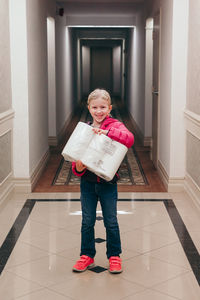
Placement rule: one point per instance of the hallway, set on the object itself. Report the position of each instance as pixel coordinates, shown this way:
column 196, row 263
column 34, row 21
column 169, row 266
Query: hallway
column 52, row 54
column 145, row 176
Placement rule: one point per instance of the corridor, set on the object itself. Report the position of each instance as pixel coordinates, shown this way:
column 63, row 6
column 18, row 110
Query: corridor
column 52, row 55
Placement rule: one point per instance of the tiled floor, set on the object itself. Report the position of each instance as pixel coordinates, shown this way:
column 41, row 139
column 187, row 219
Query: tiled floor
column 160, row 235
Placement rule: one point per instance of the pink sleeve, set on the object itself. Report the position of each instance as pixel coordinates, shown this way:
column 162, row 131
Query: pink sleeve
column 121, row 134
column 75, row 171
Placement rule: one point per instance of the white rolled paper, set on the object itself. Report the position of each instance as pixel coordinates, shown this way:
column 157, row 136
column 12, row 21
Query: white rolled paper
column 99, row 153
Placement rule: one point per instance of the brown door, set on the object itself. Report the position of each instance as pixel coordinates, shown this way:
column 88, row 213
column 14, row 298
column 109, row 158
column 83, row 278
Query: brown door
column 101, row 68
column 155, row 90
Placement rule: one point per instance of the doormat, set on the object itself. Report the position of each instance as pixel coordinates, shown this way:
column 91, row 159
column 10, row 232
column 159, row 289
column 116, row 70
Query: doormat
column 130, row 172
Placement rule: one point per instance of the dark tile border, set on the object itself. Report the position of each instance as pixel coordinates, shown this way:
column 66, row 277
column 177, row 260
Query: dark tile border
column 181, row 230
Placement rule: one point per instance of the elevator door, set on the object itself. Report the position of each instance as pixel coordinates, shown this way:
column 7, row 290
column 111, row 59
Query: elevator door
column 101, row 68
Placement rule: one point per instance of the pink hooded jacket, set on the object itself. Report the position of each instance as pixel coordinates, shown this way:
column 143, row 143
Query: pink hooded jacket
column 116, row 131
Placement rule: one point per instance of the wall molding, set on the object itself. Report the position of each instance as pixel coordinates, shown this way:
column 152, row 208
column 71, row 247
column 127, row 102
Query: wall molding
column 27, row 184
column 52, row 141
column 6, row 187
column 192, row 189
column 6, row 115
column 6, row 125
column 192, row 123
column 22, row 185
column 172, row 184
column 146, row 141
column 6, row 121
column 39, row 169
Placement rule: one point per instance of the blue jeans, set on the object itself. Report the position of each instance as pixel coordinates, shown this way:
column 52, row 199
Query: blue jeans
column 107, row 194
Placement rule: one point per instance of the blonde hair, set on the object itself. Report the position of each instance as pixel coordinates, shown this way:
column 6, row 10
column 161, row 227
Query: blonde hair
column 99, row 93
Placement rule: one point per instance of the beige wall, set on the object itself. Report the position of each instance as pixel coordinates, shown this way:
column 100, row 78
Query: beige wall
column 193, row 80
column 37, row 80
column 193, row 95
column 5, row 156
column 5, row 97
column 5, row 77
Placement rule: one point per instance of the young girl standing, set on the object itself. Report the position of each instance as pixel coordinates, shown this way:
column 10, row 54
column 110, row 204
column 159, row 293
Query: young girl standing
column 94, row 188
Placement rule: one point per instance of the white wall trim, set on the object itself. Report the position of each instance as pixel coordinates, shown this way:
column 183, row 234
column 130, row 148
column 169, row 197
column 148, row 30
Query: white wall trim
column 192, row 189
column 27, row 184
column 192, row 123
column 39, row 169
column 6, row 121
column 172, row 184
column 6, row 187
column 52, row 141
column 6, row 125
column 22, row 185
column 6, row 115
column 146, row 141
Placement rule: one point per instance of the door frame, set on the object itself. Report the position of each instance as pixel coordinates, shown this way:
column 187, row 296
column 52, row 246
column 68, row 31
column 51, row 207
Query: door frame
column 155, row 94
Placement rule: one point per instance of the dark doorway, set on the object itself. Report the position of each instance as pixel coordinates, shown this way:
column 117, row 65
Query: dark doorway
column 101, row 68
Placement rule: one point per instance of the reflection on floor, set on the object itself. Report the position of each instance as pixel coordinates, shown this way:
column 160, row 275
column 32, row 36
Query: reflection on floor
column 40, row 240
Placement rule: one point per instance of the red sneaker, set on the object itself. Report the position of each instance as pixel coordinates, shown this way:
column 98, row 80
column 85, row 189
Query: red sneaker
column 83, row 263
column 115, row 264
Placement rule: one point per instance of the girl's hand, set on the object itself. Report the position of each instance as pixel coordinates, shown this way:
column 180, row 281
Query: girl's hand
column 100, row 131
column 80, row 166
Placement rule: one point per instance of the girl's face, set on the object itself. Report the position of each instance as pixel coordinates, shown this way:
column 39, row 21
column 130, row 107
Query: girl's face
column 99, row 109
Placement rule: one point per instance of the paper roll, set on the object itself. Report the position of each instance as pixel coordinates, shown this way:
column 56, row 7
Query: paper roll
column 105, row 162
column 99, row 153
column 78, row 142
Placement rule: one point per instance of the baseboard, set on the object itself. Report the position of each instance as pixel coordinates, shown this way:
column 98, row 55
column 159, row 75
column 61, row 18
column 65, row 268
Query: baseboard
column 27, row 184
column 145, row 141
column 193, row 190
column 22, row 185
column 62, row 133
column 39, row 169
column 172, row 184
column 52, row 141
column 6, row 188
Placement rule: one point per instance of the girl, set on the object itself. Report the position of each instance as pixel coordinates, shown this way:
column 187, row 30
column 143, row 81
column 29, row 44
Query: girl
column 94, row 188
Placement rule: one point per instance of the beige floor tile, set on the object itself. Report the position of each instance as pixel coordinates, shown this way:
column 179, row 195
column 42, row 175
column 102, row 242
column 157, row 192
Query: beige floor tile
column 173, row 254
column 24, row 253
column 72, row 254
column 195, row 235
column 97, row 286
column 192, row 222
column 149, row 295
column 148, row 271
column 164, row 228
column 55, row 241
column 58, row 218
column 141, row 241
column 183, row 287
column 46, row 271
column 33, row 229
column 44, row 294
column 130, row 195
column 33, row 273
column 12, row 286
